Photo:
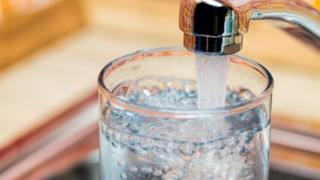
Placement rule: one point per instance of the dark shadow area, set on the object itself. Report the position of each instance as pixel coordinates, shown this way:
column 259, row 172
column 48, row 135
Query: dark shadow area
column 89, row 171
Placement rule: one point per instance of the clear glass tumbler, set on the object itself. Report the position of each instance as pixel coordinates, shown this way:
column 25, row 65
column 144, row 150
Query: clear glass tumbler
column 151, row 128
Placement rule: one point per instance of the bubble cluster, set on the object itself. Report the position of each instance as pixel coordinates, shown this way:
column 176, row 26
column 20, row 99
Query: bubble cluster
column 141, row 147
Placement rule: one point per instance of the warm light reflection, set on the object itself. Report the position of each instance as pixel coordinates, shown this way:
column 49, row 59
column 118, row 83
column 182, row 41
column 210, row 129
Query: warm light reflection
column 22, row 7
column 318, row 4
column 5, row 8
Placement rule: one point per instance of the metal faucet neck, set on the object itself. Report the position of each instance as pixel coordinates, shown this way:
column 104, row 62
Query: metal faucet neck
column 217, row 26
column 210, row 27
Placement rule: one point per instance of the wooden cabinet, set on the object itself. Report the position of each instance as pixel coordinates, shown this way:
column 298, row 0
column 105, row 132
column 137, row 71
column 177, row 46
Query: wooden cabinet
column 27, row 25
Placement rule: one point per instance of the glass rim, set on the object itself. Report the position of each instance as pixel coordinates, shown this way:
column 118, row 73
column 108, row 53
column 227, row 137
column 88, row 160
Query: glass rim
column 178, row 113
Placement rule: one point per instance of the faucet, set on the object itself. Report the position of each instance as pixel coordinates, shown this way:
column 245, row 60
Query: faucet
column 217, row 26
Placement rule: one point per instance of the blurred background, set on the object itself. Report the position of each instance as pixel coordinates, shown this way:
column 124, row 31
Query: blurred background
column 51, row 52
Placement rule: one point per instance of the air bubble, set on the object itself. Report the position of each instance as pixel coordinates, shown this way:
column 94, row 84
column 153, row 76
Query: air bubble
column 123, row 176
column 245, row 151
column 157, row 172
column 177, row 141
column 120, row 163
column 173, row 175
column 249, row 137
column 242, row 150
column 221, row 145
column 114, row 144
column 255, row 130
column 133, row 169
column 187, row 149
column 165, row 167
column 235, row 142
column 133, row 127
column 205, row 149
column 146, row 170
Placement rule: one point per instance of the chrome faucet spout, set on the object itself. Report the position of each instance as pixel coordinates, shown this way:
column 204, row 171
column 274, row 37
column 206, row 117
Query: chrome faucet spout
column 217, row 26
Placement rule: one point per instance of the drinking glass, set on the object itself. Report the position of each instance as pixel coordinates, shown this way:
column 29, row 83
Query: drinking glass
column 151, row 128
